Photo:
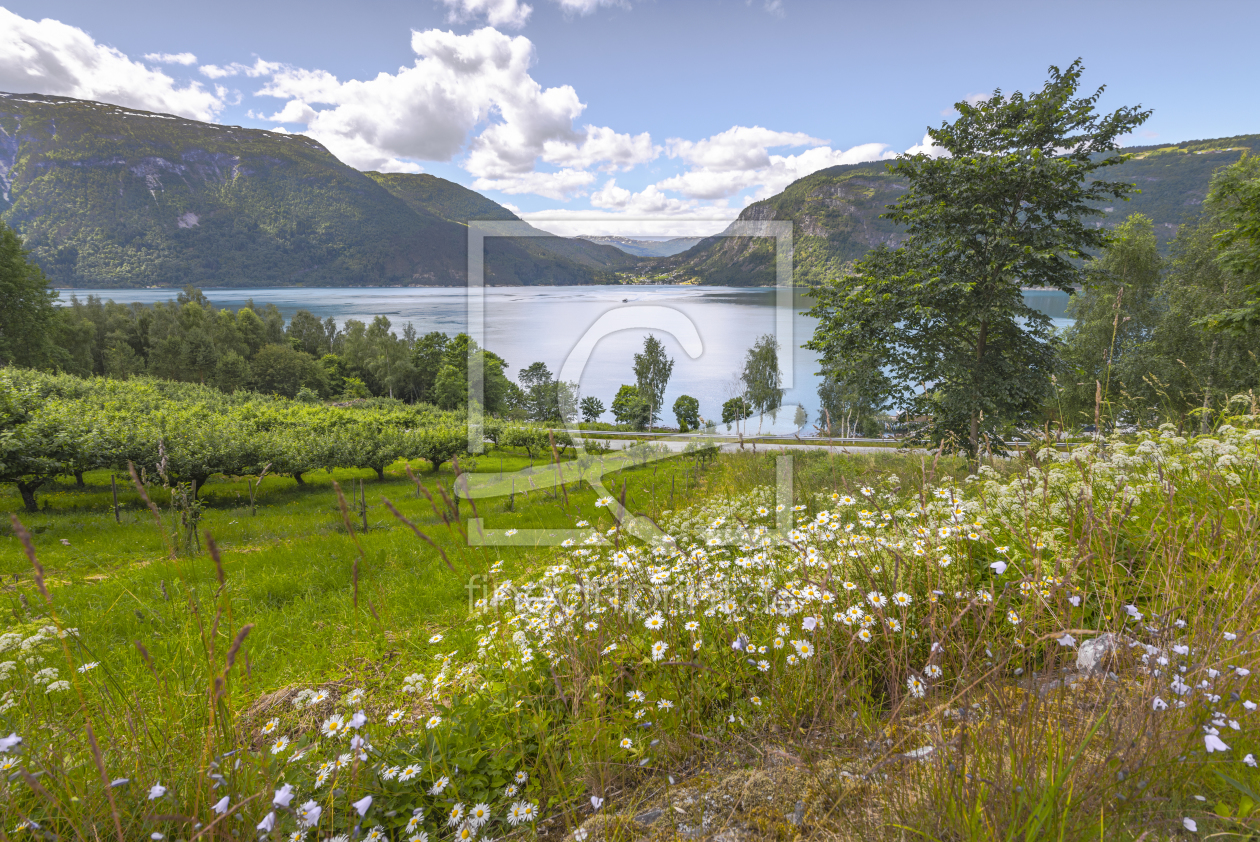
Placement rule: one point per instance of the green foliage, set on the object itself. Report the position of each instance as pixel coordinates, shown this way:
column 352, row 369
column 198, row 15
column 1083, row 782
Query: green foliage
column 1005, row 210
column 1235, row 203
column 451, row 387
column 191, row 340
column 426, row 359
column 354, row 389
column 1115, row 314
column 39, row 438
column 851, row 392
column 53, row 425
column 652, row 370
column 687, row 411
column 284, row 371
column 592, row 408
column 26, row 305
column 545, row 399
column 801, row 417
column 735, row 410
column 762, row 377
column 1164, row 364
column 629, row 407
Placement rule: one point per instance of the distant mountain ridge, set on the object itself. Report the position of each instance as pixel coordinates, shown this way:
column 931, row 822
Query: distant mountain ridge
column 836, row 213
column 114, row 197
column 647, row 248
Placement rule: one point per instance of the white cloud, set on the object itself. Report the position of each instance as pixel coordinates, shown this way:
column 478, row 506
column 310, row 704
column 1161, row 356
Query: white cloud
column 775, row 7
column 466, row 96
column 171, row 58
column 707, row 184
column 513, row 14
column 603, row 148
column 784, row 169
column 585, row 7
column 552, row 185
column 700, row 221
column 50, row 57
column 507, row 13
column 255, row 70
column 928, row 147
column 460, row 86
column 624, row 212
column 648, row 201
column 737, row 148
column 739, row 158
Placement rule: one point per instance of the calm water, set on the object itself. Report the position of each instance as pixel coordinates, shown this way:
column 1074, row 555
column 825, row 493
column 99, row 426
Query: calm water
column 531, row 324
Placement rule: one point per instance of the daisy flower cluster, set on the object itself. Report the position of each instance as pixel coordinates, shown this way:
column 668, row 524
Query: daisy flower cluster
column 22, row 659
column 744, row 609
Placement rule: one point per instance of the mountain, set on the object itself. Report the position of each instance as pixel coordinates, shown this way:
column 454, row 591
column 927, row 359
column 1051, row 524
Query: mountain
column 648, row 248
column 114, row 197
column 836, row 213
column 456, row 203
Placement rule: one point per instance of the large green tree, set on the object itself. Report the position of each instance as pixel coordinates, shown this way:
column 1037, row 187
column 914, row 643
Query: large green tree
column 1004, row 203
column 592, row 407
column 687, row 411
column 630, row 407
column 1234, row 200
column 762, row 378
column 26, row 305
column 426, row 359
column 451, row 387
column 652, row 370
column 851, row 393
column 1114, row 314
column 1184, row 366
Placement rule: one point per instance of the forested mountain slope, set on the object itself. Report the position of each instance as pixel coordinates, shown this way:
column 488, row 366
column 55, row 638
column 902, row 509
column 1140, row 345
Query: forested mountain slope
column 456, row 203
column 114, row 197
column 836, row 213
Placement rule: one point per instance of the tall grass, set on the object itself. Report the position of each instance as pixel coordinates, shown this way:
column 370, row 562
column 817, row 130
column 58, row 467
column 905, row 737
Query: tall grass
column 911, row 643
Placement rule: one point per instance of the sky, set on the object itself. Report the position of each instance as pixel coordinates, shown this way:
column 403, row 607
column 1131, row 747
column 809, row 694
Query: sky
column 632, row 117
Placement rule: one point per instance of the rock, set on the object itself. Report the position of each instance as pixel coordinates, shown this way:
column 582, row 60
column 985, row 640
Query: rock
column 1093, row 654
column 1049, row 686
column 731, row 834
column 798, row 815
column 649, row 817
column 920, row 753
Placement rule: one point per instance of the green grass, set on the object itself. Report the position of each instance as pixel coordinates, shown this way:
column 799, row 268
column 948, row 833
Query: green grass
column 289, row 567
column 1096, row 760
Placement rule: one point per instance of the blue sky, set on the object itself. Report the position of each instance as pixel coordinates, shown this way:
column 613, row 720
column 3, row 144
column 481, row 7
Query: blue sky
column 635, row 117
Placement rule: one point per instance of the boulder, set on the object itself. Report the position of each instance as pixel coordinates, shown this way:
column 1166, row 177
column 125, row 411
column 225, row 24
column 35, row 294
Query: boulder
column 1096, row 654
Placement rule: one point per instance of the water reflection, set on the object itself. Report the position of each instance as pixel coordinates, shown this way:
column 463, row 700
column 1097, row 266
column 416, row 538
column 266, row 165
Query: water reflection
column 542, row 324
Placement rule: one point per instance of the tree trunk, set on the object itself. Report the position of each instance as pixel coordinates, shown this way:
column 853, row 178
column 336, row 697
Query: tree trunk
column 974, row 439
column 380, row 474
column 297, row 476
column 27, row 490
column 78, row 479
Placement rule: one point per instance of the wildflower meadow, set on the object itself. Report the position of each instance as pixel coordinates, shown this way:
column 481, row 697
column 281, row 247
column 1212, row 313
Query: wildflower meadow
column 1056, row 645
